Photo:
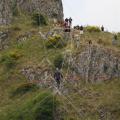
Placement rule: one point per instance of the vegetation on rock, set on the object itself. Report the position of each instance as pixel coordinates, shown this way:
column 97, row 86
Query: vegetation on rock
column 22, row 97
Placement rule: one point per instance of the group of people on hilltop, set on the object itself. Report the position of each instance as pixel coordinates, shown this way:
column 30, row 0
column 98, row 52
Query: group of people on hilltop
column 67, row 24
column 81, row 28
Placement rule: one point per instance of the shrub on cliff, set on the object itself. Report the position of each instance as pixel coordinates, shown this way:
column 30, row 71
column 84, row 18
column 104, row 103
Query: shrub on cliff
column 45, row 110
column 24, row 88
column 39, row 19
column 55, row 42
column 9, row 59
column 39, row 107
column 93, row 29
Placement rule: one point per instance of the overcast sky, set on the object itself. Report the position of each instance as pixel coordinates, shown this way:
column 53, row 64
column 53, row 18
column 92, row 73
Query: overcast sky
column 94, row 12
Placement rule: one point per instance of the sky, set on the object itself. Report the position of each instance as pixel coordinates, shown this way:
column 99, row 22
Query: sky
column 94, row 12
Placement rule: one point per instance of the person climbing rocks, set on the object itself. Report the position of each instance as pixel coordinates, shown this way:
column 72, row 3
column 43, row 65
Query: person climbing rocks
column 70, row 22
column 81, row 30
column 102, row 28
column 58, row 77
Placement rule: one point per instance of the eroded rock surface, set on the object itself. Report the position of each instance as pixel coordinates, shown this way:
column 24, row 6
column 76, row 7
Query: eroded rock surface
column 42, row 76
column 96, row 64
column 4, row 40
column 50, row 8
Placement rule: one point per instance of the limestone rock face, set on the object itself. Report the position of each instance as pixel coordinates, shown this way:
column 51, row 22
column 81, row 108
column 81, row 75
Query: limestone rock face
column 96, row 64
column 4, row 40
column 50, row 8
column 5, row 11
column 41, row 76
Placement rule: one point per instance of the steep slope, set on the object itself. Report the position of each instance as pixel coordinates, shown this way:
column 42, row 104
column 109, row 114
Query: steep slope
column 28, row 60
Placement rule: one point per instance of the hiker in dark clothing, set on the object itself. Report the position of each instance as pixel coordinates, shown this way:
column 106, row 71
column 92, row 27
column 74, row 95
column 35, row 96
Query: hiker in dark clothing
column 102, row 28
column 58, row 76
column 81, row 29
column 67, row 20
column 77, row 27
column 70, row 21
column 65, row 26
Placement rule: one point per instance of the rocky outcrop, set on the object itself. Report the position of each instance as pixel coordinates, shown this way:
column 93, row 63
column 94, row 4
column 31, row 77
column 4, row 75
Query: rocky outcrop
column 24, row 37
column 41, row 76
column 96, row 64
column 5, row 11
column 4, row 40
column 50, row 8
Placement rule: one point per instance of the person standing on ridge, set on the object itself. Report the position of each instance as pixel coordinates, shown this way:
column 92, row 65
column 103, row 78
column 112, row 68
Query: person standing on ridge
column 58, row 77
column 65, row 26
column 102, row 28
column 81, row 30
column 70, row 22
column 66, row 21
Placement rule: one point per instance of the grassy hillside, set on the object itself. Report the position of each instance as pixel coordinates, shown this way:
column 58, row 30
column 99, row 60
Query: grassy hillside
column 21, row 100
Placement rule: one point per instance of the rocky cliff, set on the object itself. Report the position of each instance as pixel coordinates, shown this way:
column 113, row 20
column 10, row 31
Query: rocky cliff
column 96, row 64
column 5, row 11
column 4, row 40
column 50, row 8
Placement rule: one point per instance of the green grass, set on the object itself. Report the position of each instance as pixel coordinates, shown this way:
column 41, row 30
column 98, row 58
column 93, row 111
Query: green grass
column 25, row 105
column 91, row 98
column 34, row 107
